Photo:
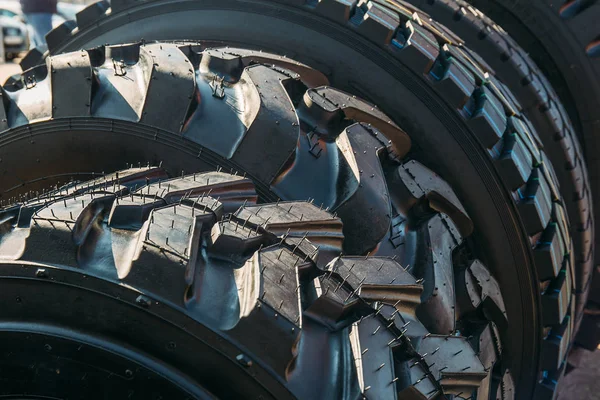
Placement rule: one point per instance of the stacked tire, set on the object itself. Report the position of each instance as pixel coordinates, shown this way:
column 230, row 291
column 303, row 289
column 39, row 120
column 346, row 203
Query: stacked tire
column 312, row 200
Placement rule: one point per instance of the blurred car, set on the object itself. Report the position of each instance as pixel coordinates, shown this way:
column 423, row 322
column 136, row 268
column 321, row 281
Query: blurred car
column 15, row 35
column 14, row 27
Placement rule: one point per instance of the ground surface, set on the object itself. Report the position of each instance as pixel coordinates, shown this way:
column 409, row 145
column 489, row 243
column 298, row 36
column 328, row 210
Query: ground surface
column 584, row 382
column 8, row 69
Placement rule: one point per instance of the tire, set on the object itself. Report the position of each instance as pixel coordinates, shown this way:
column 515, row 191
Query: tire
column 564, row 40
column 92, row 111
column 286, row 267
column 512, row 65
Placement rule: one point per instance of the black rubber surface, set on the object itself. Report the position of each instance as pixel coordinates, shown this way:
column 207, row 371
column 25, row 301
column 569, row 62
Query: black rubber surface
column 491, row 147
column 266, row 279
column 511, row 64
column 563, row 39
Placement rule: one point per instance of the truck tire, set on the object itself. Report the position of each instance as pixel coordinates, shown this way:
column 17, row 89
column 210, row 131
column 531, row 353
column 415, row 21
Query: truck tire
column 499, row 55
column 563, row 39
column 540, row 103
column 487, row 240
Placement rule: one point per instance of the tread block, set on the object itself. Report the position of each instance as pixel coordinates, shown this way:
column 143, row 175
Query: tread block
column 417, row 385
column 507, row 386
column 308, row 377
column 59, row 230
column 378, row 278
column 130, row 212
column 161, row 259
column 128, row 179
column 472, row 62
column 337, row 10
column 550, row 178
column 421, row 181
column 488, row 353
column 297, row 220
column 171, row 87
column 514, row 162
column 275, row 126
column 339, row 305
column 418, row 47
column 325, row 333
column 557, row 297
column 556, row 345
column 326, row 100
column 232, row 241
column 437, row 312
column 279, row 268
column 504, row 94
column 535, row 205
column 71, row 82
column 546, row 387
column 28, row 209
column 33, row 58
column 485, row 116
column 212, row 60
column 378, row 24
column 335, row 176
column 549, row 252
column 403, row 316
column 374, row 357
column 58, row 35
column 476, row 288
column 231, row 190
column 92, row 14
column 269, row 290
column 528, row 136
column 560, row 217
column 452, row 80
column 127, row 70
column 28, row 107
column 364, row 231
column 453, row 363
column 490, row 294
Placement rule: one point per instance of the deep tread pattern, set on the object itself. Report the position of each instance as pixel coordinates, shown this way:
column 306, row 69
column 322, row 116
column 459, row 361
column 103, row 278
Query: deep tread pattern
column 173, row 86
column 438, row 311
column 535, row 203
column 231, row 190
column 229, row 63
column 173, row 241
column 482, row 292
column 90, row 14
column 298, row 220
column 421, row 181
column 542, row 106
column 278, row 137
column 449, row 358
column 486, row 116
column 489, row 352
column 56, row 36
column 32, row 58
column 291, row 131
column 69, row 74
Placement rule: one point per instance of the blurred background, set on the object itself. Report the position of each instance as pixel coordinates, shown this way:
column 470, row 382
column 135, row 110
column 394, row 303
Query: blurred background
column 15, row 35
